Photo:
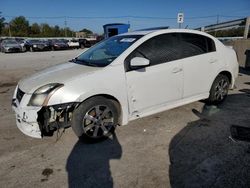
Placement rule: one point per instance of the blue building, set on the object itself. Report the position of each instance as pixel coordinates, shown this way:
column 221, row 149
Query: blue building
column 115, row 29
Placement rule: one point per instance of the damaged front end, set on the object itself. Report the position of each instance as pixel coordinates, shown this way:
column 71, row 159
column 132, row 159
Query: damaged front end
column 52, row 118
column 37, row 120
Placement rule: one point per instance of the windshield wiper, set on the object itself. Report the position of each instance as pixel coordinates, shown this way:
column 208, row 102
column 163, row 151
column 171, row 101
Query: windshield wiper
column 75, row 60
column 92, row 65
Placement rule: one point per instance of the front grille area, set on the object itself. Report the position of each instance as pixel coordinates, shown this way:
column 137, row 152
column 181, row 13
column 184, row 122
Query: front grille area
column 14, row 49
column 40, row 46
column 19, row 95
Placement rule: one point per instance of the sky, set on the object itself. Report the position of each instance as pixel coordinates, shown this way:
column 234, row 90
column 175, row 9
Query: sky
column 93, row 14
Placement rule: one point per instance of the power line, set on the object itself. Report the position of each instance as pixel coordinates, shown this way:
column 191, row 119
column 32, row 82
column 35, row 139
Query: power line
column 89, row 17
column 224, row 16
column 36, row 17
column 119, row 17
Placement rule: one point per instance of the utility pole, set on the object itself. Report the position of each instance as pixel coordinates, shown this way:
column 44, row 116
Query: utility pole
column 7, row 25
column 65, row 26
column 129, row 25
column 218, row 18
column 9, row 30
column 217, row 21
column 247, row 25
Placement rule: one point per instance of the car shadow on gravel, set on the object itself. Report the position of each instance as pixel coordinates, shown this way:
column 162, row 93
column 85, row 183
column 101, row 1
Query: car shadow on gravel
column 88, row 163
column 203, row 154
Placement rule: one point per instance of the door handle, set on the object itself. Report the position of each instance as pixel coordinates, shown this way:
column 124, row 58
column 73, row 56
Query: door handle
column 176, row 70
column 213, row 61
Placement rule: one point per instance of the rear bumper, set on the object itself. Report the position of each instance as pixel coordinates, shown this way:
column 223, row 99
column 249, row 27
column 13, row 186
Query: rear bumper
column 26, row 119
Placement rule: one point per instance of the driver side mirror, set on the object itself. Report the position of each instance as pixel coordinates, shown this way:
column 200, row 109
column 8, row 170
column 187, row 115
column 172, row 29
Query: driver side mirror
column 139, row 62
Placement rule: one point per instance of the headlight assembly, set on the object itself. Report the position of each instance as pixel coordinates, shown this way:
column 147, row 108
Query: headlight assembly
column 42, row 95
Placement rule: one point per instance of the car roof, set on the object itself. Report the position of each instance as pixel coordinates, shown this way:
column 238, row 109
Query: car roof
column 137, row 33
column 162, row 31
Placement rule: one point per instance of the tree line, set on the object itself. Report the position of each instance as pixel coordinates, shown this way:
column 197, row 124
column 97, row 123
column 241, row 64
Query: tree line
column 20, row 27
column 233, row 32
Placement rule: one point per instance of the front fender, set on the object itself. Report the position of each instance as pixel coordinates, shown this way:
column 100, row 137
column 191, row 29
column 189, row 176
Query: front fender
column 121, row 99
column 66, row 95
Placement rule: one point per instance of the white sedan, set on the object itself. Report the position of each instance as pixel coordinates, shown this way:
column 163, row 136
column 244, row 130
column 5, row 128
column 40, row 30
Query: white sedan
column 123, row 78
column 73, row 43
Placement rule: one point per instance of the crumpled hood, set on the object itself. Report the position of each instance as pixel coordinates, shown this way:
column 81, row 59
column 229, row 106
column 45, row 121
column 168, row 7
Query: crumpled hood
column 57, row 74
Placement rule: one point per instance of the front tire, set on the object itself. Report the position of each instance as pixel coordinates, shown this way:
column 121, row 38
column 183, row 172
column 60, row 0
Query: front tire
column 3, row 50
column 219, row 90
column 95, row 119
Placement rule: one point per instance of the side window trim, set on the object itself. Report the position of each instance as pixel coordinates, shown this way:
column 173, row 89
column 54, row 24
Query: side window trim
column 179, row 38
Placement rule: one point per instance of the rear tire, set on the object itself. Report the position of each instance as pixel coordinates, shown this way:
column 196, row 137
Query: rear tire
column 219, row 90
column 95, row 119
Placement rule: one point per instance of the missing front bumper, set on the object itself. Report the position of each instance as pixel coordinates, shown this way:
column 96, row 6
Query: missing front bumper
column 52, row 118
column 26, row 120
column 37, row 122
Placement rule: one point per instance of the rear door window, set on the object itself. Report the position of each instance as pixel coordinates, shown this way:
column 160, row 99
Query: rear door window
column 194, row 44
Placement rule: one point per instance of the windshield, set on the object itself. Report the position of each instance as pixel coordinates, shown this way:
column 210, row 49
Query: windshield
column 57, row 41
column 10, row 42
column 63, row 40
column 107, row 51
column 34, row 41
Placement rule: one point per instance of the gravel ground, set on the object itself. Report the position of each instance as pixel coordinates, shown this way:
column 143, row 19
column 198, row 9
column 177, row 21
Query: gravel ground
column 189, row 146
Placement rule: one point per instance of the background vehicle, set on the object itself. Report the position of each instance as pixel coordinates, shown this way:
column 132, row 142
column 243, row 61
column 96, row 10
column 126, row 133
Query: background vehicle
column 38, row 45
column 10, row 45
column 84, row 43
column 24, row 44
column 73, row 43
column 57, row 44
column 123, row 78
column 99, row 38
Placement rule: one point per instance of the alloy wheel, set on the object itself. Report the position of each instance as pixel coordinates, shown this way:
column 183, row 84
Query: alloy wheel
column 221, row 89
column 98, row 121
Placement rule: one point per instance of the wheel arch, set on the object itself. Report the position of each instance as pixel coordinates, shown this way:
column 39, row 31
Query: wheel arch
column 110, row 97
column 228, row 75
